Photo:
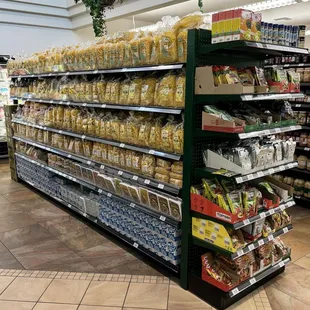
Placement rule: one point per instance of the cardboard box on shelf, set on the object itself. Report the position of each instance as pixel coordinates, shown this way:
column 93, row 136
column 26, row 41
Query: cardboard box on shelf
column 228, row 25
column 241, row 25
column 215, row 32
column 221, row 27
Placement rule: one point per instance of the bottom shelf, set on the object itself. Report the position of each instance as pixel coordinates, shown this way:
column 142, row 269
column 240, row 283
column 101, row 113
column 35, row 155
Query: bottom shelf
column 302, row 201
column 122, row 237
column 222, row 300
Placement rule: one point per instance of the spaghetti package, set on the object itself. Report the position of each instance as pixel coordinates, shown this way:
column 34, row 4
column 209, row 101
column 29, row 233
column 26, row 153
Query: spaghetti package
column 178, row 139
column 166, row 90
column 134, row 94
column 179, row 97
column 145, row 49
column 167, row 133
column 168, row 46
column 148, row 91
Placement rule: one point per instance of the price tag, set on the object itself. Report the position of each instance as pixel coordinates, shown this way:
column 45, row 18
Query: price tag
column 260, row 174
column 259, row 45
column 102, row 167
column 84, row 104
column 262, row 215
column 239, row 180
column 271, row 211
column 307, row 149
column 285, row 230
column 151, row 152
column 88, row 162
column 162, row 218
column 246, row 222
column 135, row 177
column 300, row 65
column 84, row 214
column 270, row 237
column 147, row 181
column 277, row 130
column 252, row 281
column 235, row 291
column 250, row 176
column 50, row 74
column 292, row 127
column 122, row 145
column 69, row 206
column 282, row 208
column 136, row 245
column 103, row 106
column 83, row 137
column 68, row 103
column 281, row 168
column 242, row 135
column 298, row 105
column 132, row 205
column 95, row 72
column 120, row 173
column 109, row 194
column 161, row 186
column 246, row 97
column 251, row 247
column 67, row 73
column 99, row 190
column 60, row 102
column 281, row 264
column 51, row 101
column 291, row 165
column 60, row 131
column 260, row 242
column 69, row 156
column 271, row 171
column 291, row 203
column 74, row 179
column 240, row 253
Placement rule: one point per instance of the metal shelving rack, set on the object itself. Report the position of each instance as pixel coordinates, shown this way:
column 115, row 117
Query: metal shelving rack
column 237, row 53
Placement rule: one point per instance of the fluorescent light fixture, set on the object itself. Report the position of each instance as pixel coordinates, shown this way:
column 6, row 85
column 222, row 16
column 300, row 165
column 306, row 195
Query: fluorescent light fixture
column 269, row 4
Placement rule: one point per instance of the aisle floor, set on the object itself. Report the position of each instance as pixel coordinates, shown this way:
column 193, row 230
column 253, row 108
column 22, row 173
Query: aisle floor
column 51, row 259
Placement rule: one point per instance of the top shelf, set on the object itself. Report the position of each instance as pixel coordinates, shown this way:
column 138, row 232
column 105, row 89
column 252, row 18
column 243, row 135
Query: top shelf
column 255, row 49
column 103, row 71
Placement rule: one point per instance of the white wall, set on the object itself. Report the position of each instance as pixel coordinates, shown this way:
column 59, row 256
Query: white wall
column 15, row 38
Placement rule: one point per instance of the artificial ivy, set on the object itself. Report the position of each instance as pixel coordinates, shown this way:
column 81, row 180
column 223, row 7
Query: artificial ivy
column 97, row 10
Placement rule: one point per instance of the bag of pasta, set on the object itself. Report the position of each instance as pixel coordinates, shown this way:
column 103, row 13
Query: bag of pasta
column 48, row 117
column 167, row 135
column 123, row 130
column 120, row 54
column 96, row 154
column 95, row 93
column 116, row 156
column 134, row 95
column 97, row 124
column 104, row 153
column 166, row 90
column 66, row 143
column 107, row 95
column 108, row 125
column 148, row 164
column 154, row 140
column 145, row 44
column 134, row 46
column 47, row 137
column 129, row 160
column 107, row 55
column 189, row 21
column 148, row 91
column 99, row 54
column 127, row 56
column 144, row 132
column 74, row 114
column 182, row 45
column 88, row 91
column 113, row 59
column 133, row 126
column 85, row 115
column 122, row 158
column 155, row 49
column 124, row 91
column 179, row 98
column 87, row 148
column 91, row 129
column 115, row 91
column 101, row 88
column 67, row 119
column 110, row 154
column 103, row 122
column 60, row 116
column 136, row 162
column 115, row 128
column 178, row 138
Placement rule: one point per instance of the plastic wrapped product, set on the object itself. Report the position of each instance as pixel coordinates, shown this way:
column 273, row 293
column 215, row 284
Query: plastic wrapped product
column 124, row 91
column 144, row 133
column 163, row 163
column 87, row 148
column 148, row 91
column 104, row 153
column 122, row 158
column 168, row 47
column 129, row 160
column 163, row 204
column 120, row 54
column 162, row 177
column 134, row 46
column 110, row 183
column 125, row 190
column 176, row 176
column 144, row 196
column 101, row 88
column 155, row 133
column 177, row 167
column 176, row 208
column 136, row 162
column 107, row 95
column 179, row 98
column 96, row 152
column 178, row 139
column 153, row 200
column 166, row 90
column 134, row 192
column 164, row 171
column 148, row 165
column 145, row 48
column 78, row 147
column 134, row 94
column 167, row 135
column 115, row 91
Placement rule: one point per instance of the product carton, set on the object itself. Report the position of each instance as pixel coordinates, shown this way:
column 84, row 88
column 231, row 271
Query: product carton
column 228, row 25
column 215, row 32
column 256, row 26
column 241, row 24
column 221, row 27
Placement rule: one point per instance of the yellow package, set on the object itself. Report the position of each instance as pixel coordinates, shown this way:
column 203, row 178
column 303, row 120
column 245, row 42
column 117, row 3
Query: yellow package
column 101, row 87
column 123, row 131
column 110, row 154
column 85, row 116
column 124, row 91
column 155, row 49
column 107, row 55
column 122, row 158
column 108, row 128
column 176, row 182
column 47, row 137
column 148, row 164
column 189, row 22
column 166, row 90
column 136, row 160
column 182, row 45
column 125, row 190
column 162, row 177
column 153, row 200
column 145, row 49
column 168, row 47
column 87, row 148
column 127, row 56
column 167, row 133
column 115, row 128
column 148, row 91
column 91, row 124
column 116, row 156
column 129, row 160
column 144, row 133
column 164, row 171
column 177, row 167
column 178, row 139
column 79, row 122
column 67, row 119
column 97, row 125
column 144, row 196
column 134, row 94
column 163, row 163
column 104, row 153
column 96, row 154
column 155, row 133
column 78, row 147
column 179, row 98
column 60, row 116
column 134, row 46
column 120, row 53
column 115, row 91
column 107, row 95
column 176, row 176
column 113, row 59
column 99, row 55
column 66, row 143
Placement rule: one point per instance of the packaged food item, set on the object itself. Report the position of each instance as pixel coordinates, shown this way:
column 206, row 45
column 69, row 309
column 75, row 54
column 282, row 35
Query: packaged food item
column 145, row 44
column 78, row 147
column 176, row 182
column 177, row 176
column 110, row 183
column 134, row 93
column 118, row 188
column 164, row 171
column 153, row 200
column 155, row 133
column 299, row 185
column 178, row 138
column 136, row 161
column 167, row 135
column 177, row 167
column 294, row 81
column 302, row 162
column 162, row 177
column 134, row 192
column 148, row 163
column 124, row 91
column 166, row 90
column 144, row 132
column 182, row 45
column 179, row 97
column 115, row 91
column 176, row 208
column 129, row 160
column 144, row 196
column 168, row 46
column 148, row 91
column 164, row 204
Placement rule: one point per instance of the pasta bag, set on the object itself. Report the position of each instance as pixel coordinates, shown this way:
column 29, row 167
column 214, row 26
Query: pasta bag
column 107, row 55
column 167, row 135
column 148, row 164
column 144, row 133
column 101, row 88
column 67, row 119
column 166, row 90
column 168, row 47
column 127, row 55
column 145, row 49
column 60, row 116
column 99, row 54
column 182, row 45
column 107, row 95
column 115, row 91
column 154, row 140
column 134, row 95
column 134, row 47
column 179, row 98
column 120, row 53
column 178, row 138
column 124, row 91
column 74, row 113
column 148, row 91
column 155, row 50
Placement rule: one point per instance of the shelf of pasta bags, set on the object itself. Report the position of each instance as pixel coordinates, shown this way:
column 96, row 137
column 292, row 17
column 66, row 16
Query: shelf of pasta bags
column 251, row 48
column 221, row 299
column 156, row 109
column 114, row 232
column 200, row 233
column 100, row 140
column 152, row 212
column 206, row 209
column 104, row 71
column 117, row 172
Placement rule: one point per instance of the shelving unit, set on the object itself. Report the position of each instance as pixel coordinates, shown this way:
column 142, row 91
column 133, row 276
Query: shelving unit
column 238, row 53
column 200, row 53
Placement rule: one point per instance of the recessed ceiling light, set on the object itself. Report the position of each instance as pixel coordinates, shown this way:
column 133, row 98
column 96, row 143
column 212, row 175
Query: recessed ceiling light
column 283, row 18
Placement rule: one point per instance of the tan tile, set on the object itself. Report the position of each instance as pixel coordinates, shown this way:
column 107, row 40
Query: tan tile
column 101, row 308
column 102, row 293
column 4, row 283
column 181, row 299
column 16, row 305
column 65, row 291
column 144, row 309
column 246, row 303
column 46, row 306
column 147, row 295
column 25, row 289
column 304, row 262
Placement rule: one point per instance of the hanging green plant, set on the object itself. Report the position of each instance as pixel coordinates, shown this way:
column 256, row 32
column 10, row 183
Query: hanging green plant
column 97, row 10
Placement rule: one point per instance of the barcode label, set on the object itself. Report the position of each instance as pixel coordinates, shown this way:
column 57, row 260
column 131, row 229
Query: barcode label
column 99, row 190
column 251, row 247
column 240, row 252
column 239, row 180
column 151, row 152
column 109, row 195
column 271, row 171
column 135, row 177
column 285, row 230
column 161, row 186
column 162, row 218
column 120, row 173
column 122, row 145
column 281, row 264
column 260, row 242
column 252, row 281
column 136, row 245
column 132, row 205
column 102, row 167
column 270, row 238
column 235, row 291
column 271, row 211
column 246, row 222
column 282, row 208
column 250, row 176
column 262, row 215
column 260, row 174
column 147, row 181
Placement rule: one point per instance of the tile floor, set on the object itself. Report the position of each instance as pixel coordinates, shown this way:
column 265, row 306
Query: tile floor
column 91, row 270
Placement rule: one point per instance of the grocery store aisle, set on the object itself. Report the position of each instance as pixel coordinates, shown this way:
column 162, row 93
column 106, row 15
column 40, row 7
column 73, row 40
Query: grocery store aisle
column 34, row 234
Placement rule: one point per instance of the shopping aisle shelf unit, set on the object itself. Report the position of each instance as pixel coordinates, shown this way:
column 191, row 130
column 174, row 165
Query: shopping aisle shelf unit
column 241, row 54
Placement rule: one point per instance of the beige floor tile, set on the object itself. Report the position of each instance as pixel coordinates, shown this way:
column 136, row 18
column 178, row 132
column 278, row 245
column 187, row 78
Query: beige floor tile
column 16, row 305
column 246, row 303
column 105, row 294
column 100, row 308
column 147, row 295
column 181, row 299
column 4, row 283
column 304, row 262
column 65, row 291
column 25, row 289
column 142, row 309
column 47, row 306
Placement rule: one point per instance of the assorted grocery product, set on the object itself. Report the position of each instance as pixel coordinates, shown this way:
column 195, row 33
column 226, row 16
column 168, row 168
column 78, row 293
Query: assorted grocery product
column 288, row 59
column 226, row 273
column 137, row 128
column 168, row 44
column 146, row 90
column 155, row 235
